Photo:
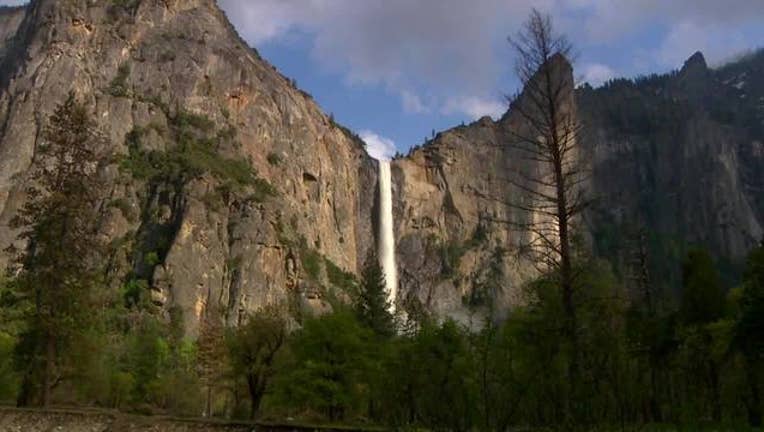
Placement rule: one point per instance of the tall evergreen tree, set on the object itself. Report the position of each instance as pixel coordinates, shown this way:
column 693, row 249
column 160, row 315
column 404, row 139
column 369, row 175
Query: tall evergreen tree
column 748, row 336
column 57, row 268
column 703, row 303
column 373, row 306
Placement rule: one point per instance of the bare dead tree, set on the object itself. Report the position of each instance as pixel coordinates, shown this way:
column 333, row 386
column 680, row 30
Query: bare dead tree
column 551, row 185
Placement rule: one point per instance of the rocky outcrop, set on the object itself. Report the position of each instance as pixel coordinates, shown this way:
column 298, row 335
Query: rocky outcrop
column 154, row 73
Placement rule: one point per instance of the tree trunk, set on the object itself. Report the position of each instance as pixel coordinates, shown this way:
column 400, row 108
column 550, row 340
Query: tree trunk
column 50, row 361
column 716, row 407
column 754, row 406
column 566, row 283
column 255, row 395
column 655, row 409
column 208, row 409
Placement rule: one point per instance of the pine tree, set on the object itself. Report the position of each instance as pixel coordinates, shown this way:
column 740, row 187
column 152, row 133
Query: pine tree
column 373, row 304
column 57, row 269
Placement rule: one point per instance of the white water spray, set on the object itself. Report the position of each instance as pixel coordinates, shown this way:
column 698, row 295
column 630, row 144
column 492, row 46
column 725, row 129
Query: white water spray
column 386, row 247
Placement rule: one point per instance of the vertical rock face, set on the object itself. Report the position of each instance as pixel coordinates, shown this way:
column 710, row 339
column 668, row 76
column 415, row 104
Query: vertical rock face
column 453, row 243
column 149, row 72
column 677, row 154
column 458, row 217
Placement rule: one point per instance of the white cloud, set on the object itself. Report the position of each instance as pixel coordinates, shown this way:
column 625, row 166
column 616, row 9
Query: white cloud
column 475, row 107
column 609, row 19
column 436, row 48
column 412, row 103
column 685, row 37
column 597, row 74
column 262, row 20
column 377, row 146
column 431, row 51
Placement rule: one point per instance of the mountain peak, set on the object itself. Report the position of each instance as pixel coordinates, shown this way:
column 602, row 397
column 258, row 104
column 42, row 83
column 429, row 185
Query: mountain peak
column 696, row 62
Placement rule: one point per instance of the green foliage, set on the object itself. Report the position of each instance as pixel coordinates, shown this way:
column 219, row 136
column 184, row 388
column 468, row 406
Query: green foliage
column 311, row 262
column 134, row 290
column 452, row 251
column 119, row 86
column 274, row 159
column 451, row 255
column 372, row 306
column 9, row 379
column 703, row 298
column 340, row 278
column 253, row 348
column 749, row 331
column 151, row 259
column 642, row 365
column 327, row 373
column 193, row 155
column 430, row 380
column 61, row 271
column 184, row 121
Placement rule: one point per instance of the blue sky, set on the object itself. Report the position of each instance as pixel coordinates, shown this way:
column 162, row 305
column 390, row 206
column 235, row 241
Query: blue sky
column 394, row 70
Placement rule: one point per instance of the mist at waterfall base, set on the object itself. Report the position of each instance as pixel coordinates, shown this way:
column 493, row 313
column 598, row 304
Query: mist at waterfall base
column 386, row 246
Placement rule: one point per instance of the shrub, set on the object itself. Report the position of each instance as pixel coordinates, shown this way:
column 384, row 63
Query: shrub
column 274, row 159
column 119, row 85
column 311, row 262
column 338, row 277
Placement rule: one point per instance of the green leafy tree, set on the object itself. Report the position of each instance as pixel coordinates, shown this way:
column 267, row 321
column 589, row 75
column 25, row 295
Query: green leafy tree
column 254, row 347
column 57, row 269
column 330, row 360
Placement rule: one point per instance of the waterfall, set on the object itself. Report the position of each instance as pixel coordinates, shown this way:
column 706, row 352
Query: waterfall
column 386, row 247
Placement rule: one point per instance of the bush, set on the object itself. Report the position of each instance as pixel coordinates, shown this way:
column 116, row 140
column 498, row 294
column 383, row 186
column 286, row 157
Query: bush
column 121, row 386
column 274, row 159
column 311, row 263
column 119, row 86
column 193, row 156
column 338, row 277
column 9, row 380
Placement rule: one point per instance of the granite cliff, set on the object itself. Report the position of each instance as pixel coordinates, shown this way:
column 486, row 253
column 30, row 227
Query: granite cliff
column 229, row 186
column 269, row 200
column 675, row 160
